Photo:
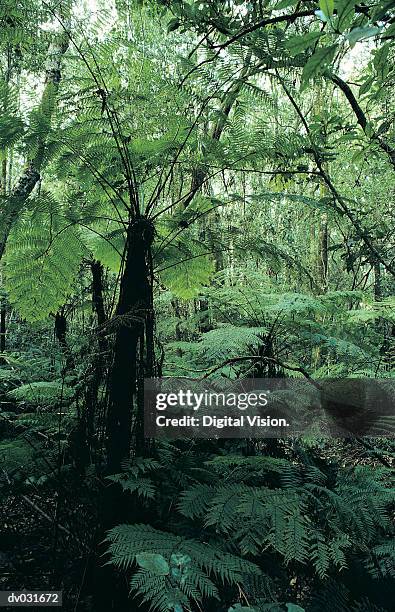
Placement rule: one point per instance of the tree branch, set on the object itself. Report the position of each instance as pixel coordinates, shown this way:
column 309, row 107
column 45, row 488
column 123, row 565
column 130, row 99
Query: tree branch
column 361, row 117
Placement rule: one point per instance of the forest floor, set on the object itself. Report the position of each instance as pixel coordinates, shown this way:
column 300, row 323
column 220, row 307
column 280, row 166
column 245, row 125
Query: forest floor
column 36, row 556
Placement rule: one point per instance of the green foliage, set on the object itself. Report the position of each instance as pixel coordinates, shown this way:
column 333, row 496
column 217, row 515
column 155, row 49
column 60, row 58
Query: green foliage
column 318, row 62
column 230, row 341
column 20, row 461
column 262, row 318
column 296, row 44
column 181, row 569
column 43, row 257
column 108, row 251
column 294, row 608
column 183, row 263
column 186, row 274
column 42, row 393
column 14, row 453
column 327, row 6
column 12, row 126
column 153, row 563
column 8, row 379
column 313, row 518
column 132, row 480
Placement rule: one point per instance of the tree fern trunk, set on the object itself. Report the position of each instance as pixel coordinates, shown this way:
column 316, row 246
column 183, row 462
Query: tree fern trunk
column 92, row 391
column 133, row 349
column 60, row 331
column 133, row 358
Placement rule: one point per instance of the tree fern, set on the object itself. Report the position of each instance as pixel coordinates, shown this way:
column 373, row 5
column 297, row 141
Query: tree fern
column 284, row 519
column 132, row 479
column 42, row 393
column 43, row 258
column 185, row 568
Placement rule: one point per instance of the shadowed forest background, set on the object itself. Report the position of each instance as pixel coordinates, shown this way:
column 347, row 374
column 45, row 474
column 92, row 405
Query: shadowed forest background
column 199, row 189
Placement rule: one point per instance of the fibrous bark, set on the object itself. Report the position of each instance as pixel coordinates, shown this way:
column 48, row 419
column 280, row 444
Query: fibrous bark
column 133, row 348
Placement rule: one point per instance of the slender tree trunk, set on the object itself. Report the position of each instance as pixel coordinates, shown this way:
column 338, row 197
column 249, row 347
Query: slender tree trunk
column 199, row 174
column 97, row 292
column 3, row 306
column 177, row 311
column 60, row 331
column 377, row 281
column 266, row 368
column 209, row 237
column 323, row 254
column 3, row 328
column 17, row 197
column 92, row 391
column 380, row 324
column 383, row 328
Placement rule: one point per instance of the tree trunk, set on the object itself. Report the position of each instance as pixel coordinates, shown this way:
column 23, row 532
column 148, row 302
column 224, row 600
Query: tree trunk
column 323, row 254
column 133, row 348
column 133, row 358
column 380, row 324
column 377, row 281
column 3, row 330
column 16, row 199
column 97, row 292
column 3, row 307
column 60, row 331
column 92, row 391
